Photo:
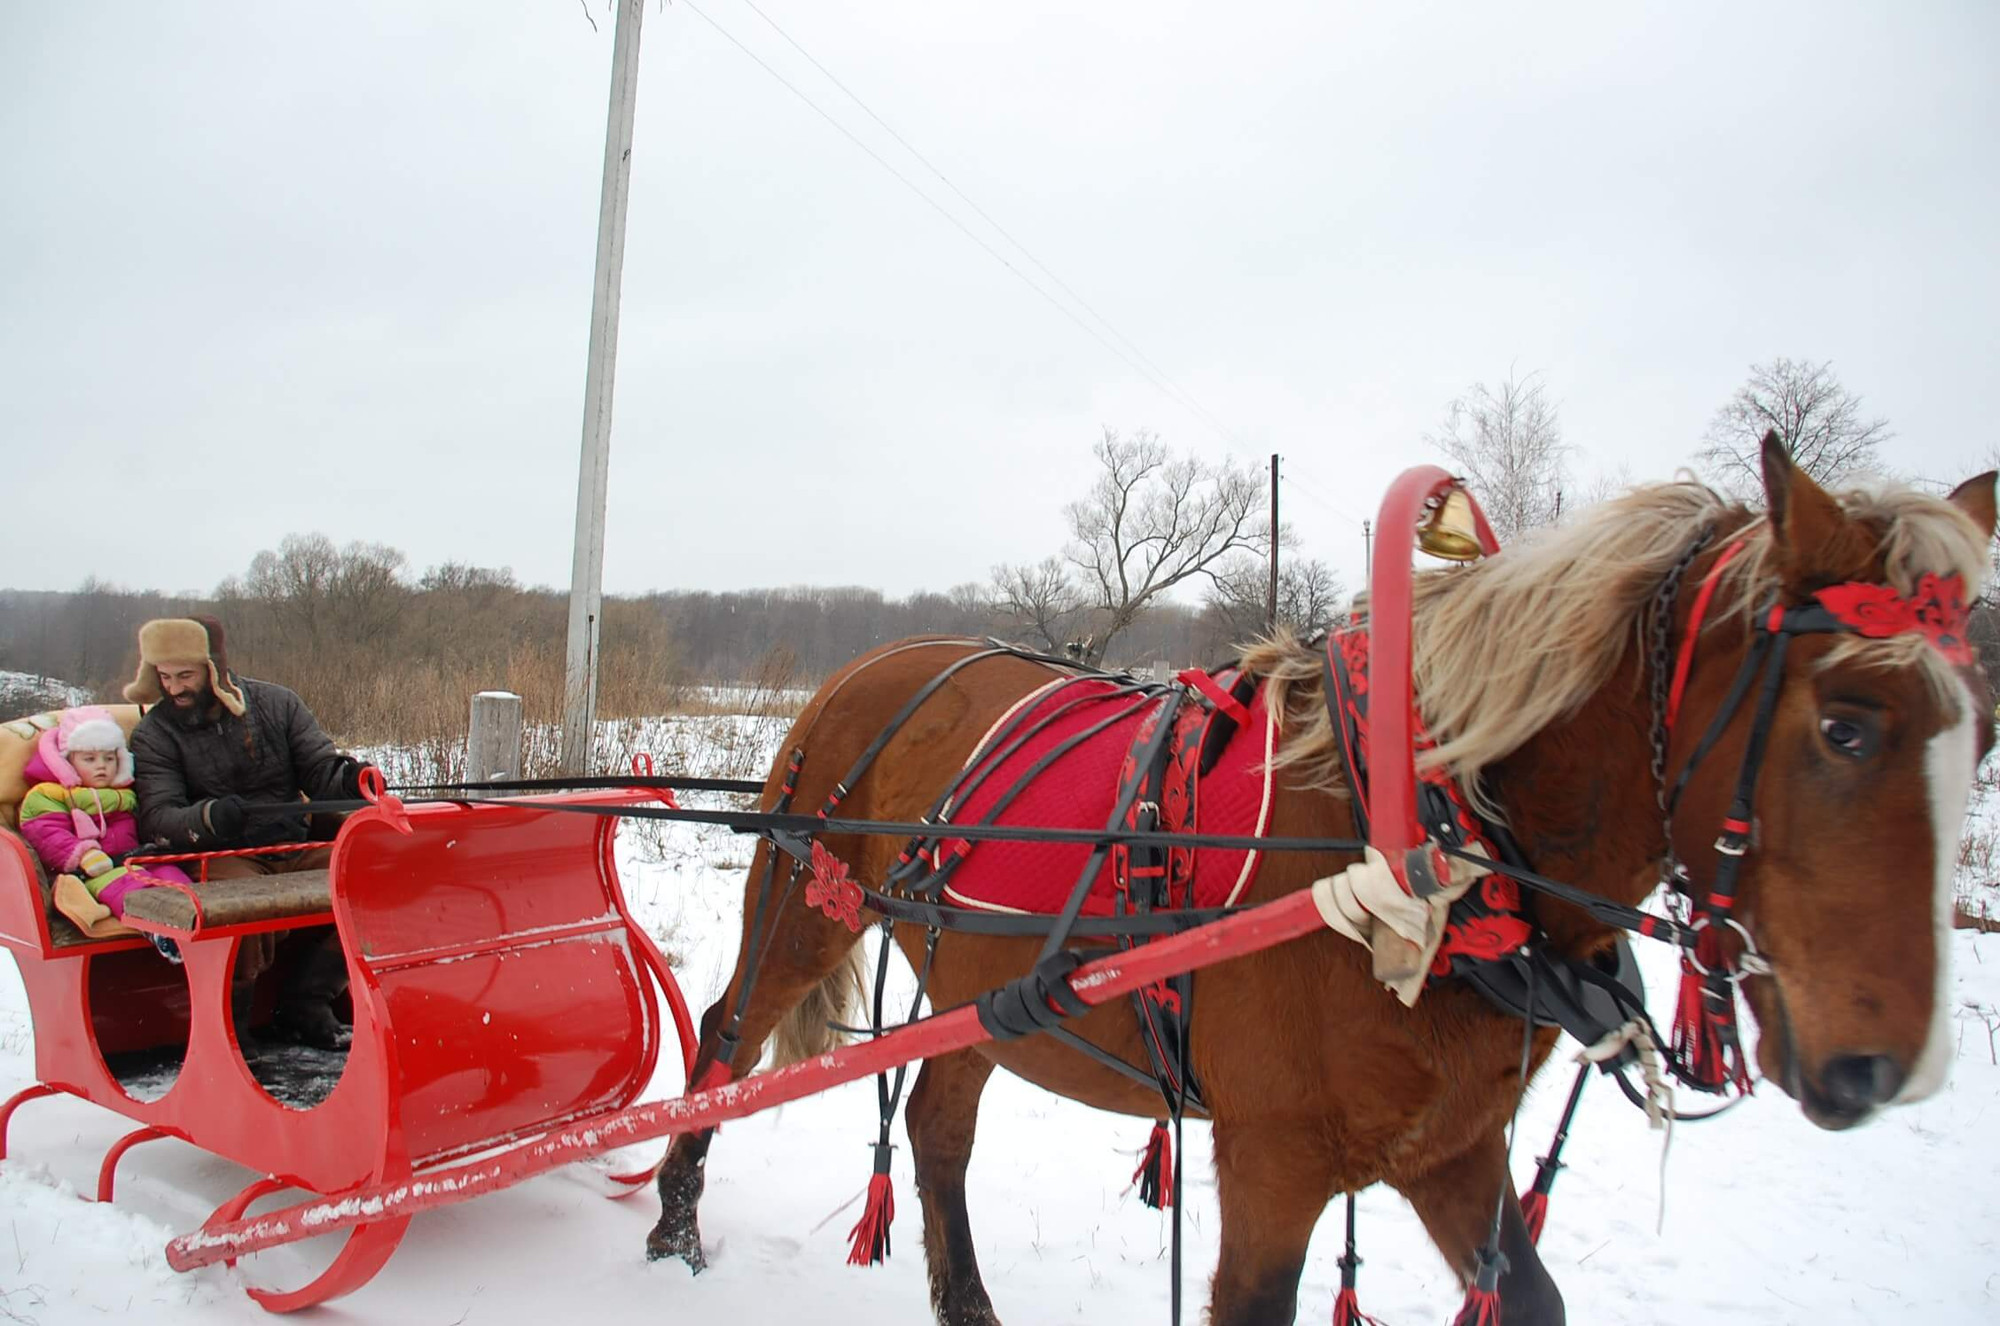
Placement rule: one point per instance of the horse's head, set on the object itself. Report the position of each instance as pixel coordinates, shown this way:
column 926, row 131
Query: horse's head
column 1877, row 725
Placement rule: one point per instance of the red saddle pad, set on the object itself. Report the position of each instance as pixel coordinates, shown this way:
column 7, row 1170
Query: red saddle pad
column 1079, row 789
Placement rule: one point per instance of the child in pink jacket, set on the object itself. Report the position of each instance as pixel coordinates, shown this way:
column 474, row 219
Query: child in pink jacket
column 79, row 812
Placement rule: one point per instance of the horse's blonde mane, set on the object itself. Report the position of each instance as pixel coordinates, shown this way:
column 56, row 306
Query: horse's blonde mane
column 1519, row 641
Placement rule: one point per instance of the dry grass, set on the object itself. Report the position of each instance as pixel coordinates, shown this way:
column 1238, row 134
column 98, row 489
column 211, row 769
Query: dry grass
column 711, row 731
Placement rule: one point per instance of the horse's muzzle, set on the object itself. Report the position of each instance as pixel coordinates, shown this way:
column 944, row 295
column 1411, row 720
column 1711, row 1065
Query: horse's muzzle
column 1848, row 1089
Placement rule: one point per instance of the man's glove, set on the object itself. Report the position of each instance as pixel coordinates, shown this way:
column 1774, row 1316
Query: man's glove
column 225, row 817
column 350, row 779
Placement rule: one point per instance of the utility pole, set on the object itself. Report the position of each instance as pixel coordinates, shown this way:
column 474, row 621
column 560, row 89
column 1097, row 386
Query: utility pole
column 586, row 576
column 1367, row 552
column 1271, row 613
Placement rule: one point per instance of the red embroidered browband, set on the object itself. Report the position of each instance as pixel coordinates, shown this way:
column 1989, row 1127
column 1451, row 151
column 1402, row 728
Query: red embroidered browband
column 1936, row 611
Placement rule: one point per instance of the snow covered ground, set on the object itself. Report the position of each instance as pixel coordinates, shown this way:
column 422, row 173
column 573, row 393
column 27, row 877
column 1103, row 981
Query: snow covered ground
column 1768, row 1220
column 25, row 692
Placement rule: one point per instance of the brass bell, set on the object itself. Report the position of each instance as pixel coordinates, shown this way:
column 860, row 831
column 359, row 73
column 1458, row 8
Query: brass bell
column 1448, row 532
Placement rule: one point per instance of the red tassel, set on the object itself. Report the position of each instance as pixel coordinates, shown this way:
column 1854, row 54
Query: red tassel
column 1697, row 1044
column 1482, row 1308
column 1347, row 1311
column 1482, row 1296
column 871, row 1232
column 1535, row 1211
column 1155, row 1175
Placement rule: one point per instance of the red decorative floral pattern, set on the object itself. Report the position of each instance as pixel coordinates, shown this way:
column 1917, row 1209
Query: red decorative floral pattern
column 1354, row 652
column 1483, row 939
column 831, row 890
column 1936, row 611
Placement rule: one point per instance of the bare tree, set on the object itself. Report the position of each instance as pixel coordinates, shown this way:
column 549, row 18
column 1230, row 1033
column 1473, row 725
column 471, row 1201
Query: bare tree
column 970, row 598
column 1506, row 441
column 310, row 587
column 1310, row 595
column 1151, row 521
column 1041, row 598
column 1817, row 419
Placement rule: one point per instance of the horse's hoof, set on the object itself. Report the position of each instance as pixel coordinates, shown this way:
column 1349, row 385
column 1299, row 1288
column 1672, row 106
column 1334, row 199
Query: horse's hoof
column 976, row 1318
column 965, row 1310
column 684, row 1243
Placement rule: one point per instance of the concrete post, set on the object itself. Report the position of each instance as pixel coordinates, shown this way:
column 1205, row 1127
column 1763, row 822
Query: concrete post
column 493, row 746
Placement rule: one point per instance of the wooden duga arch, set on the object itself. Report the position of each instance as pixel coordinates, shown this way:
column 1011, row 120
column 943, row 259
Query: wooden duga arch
column 1533, row 673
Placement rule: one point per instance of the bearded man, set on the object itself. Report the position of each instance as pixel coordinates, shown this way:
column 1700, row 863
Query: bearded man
column 213, row 743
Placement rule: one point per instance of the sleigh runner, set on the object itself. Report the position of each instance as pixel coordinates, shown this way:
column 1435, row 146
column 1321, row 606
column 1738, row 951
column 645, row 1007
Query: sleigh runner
column 904, row 766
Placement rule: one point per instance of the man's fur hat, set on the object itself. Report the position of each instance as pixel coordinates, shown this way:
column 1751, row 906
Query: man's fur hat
column 169, row 640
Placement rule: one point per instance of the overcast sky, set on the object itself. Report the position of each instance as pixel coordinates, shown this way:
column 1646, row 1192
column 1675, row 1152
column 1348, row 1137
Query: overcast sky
column 271, row 268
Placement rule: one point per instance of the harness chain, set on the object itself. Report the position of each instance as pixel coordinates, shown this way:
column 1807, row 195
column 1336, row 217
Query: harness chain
column 1661, row 662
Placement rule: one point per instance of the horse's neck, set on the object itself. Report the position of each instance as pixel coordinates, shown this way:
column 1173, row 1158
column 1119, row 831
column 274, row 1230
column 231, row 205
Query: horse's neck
column 1579, row 798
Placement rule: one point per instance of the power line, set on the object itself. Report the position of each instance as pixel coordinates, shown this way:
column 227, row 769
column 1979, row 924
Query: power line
column 936, row 206
column 1127, row 351
column 1173, row 389
column 1298, row 481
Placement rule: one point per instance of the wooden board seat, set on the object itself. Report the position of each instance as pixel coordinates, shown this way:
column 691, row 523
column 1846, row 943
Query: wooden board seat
column 235, row 901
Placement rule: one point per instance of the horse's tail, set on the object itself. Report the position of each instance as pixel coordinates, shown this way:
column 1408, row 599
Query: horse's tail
column 808, row 1029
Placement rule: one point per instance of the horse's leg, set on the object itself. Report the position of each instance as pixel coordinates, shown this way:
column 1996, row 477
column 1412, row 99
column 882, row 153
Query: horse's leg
column 1455, row 1202
column 944, row 1107
column 1274, row 1180
column 683, row 1173
column 807, row 972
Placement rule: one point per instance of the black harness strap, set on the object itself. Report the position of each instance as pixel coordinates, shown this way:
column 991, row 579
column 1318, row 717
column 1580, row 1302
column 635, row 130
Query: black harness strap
column 934, row 883
column 580, row 783
column 1738, row 688
column 971, row 921
column 1001, row 747
column 1035, row 1001
column 902, row 716
column 728, row 1039
column 1066, row 919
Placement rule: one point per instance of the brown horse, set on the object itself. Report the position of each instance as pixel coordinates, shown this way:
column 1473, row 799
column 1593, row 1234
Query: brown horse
column 1533, row 672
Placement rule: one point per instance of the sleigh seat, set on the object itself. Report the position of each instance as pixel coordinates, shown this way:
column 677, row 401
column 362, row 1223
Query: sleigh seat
column 28, row 915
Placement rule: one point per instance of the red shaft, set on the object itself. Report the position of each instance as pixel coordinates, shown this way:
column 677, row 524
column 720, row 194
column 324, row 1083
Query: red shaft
column 1095, row 982
column 1392, row 796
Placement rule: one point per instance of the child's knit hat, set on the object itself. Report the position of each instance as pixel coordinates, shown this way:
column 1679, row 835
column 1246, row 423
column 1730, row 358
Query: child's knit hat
column 87, row 727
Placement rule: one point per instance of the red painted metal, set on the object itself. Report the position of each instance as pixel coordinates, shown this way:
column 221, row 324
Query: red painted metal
column 202, row 859
column 1095, row 982
column 15, row 1102
column 219, row 854
column 1394, row 828
column 366, row 1251
column 500, row 989
column 108, row 1170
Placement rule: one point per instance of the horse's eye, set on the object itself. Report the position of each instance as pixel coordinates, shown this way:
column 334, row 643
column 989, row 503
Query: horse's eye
column 1852, row 737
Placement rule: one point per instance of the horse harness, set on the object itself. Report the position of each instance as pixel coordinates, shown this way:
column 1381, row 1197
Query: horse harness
column 1707, row 1052
column 1490, row 943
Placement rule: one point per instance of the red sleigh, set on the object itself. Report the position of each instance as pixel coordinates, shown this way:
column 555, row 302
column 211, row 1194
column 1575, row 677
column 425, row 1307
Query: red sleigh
column 500, row 989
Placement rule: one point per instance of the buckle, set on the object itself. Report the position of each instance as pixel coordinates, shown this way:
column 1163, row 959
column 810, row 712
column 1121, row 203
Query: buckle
column 1749, row 963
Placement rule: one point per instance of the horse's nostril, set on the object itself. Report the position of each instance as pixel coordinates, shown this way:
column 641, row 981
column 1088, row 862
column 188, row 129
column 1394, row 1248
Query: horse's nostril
column 1856, row 1081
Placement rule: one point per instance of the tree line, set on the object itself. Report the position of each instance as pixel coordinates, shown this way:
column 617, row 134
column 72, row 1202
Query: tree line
column 1167, row 559
column 376, row 649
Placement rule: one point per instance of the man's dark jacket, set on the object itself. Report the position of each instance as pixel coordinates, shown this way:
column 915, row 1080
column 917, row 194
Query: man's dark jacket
column 274, row 752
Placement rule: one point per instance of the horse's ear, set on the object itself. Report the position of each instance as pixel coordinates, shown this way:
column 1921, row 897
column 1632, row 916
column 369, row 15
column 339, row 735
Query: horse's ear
column 1975, row 498
column 1804, row 519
